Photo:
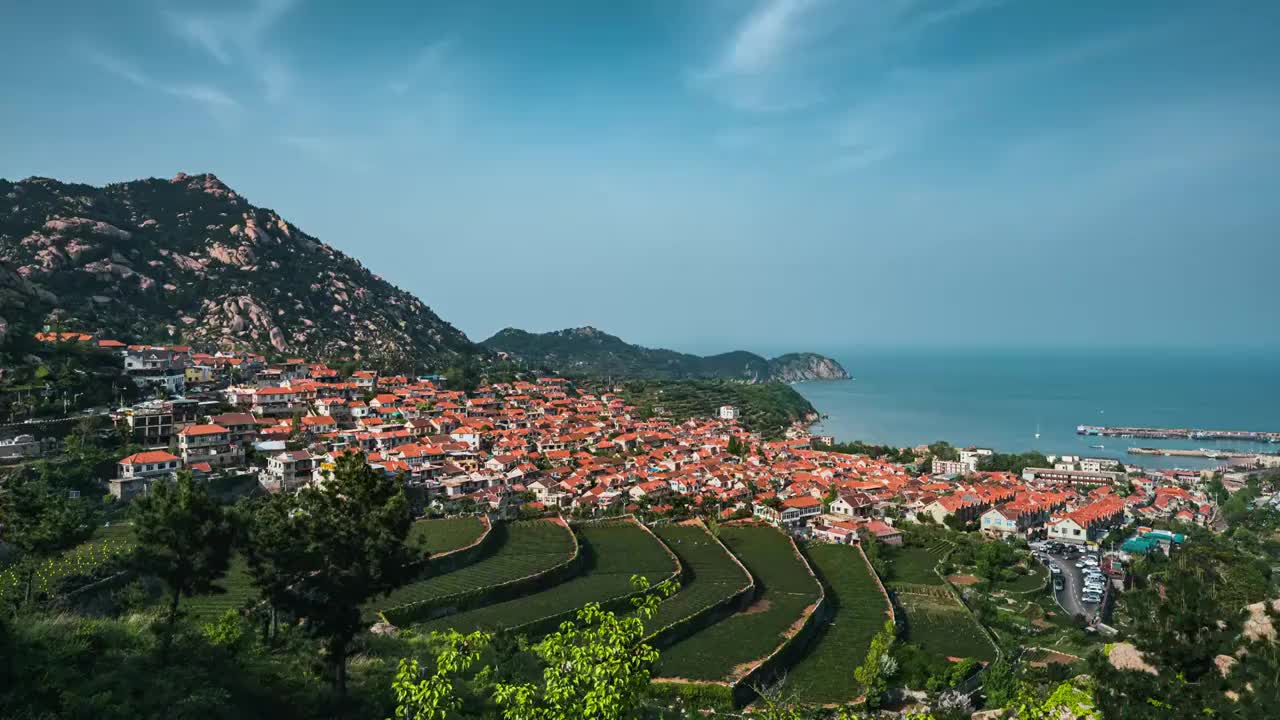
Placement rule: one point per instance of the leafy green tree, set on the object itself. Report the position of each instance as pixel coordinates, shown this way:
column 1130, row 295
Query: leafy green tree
column 40, row 520
column 878, row 667
column 320, row 554
column 595, row 667
column 434, row 697
column 183, row 538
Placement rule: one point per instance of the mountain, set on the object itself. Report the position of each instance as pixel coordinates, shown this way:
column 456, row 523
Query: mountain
column 189, row 260
column 587, row 351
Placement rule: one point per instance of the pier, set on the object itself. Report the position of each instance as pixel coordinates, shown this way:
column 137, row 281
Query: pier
column 1201, row 453
column 1179, row 433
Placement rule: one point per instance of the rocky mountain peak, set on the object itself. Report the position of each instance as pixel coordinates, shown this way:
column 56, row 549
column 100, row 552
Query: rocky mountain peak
column 188, row 259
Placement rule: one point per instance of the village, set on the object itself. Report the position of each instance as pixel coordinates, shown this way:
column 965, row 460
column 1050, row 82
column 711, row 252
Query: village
column 529, row 447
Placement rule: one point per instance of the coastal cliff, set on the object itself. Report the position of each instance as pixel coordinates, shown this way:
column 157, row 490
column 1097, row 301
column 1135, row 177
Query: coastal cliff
column 801, row 367
column 589, row 352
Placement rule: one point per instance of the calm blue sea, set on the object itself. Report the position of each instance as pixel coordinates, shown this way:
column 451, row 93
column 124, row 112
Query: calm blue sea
column 1000, row 399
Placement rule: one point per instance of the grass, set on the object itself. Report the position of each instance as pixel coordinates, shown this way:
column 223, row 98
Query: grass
column 785, row 589
column 825, row 674
column 523, row 548
column 447, row 534
column 107, row 545
column 712, row 574
column 616, row 551
column 239, row 587
column 914, row 565
column 939, row 624
column 1025, row 583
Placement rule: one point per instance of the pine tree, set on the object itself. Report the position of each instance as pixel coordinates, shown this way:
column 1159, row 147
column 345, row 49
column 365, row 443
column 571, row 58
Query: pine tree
column 183, row 537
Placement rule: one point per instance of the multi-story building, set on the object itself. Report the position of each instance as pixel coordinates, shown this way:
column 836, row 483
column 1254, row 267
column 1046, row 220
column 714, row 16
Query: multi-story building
column 278, row 401
column 729, row 412
column 967, row 466
column 792, row 513
column 212, row 444
column 288, row 470
column 1089, row 523
column 150, row 422
column 157, row 367
column 242, row 426
column 136, row 472
column 1072, row 477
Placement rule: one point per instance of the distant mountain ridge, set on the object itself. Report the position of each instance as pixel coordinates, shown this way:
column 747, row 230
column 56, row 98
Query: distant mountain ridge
column 189, row 260
column 587, row 351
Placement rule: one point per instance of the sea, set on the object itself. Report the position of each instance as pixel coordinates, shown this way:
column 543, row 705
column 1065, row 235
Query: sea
column 1001, row 399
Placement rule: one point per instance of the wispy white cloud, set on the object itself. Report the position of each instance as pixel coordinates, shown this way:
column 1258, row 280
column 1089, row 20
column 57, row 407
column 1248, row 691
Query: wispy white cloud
column 209, row 96
column 918, row 102
column 118, row 67
column 236, row 37
column 782, row 54
column 428, row 65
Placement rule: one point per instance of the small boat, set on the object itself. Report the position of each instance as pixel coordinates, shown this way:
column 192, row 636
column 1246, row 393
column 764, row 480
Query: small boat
column 1037, row 431
column 1098, row 447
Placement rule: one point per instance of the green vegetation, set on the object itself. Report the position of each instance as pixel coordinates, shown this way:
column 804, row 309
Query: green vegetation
column 183, row 537
column 321, row 554
column 103, row 553
column 588, row 352
column 42, row 522
column 712, row 577
column 857, row 612
column 1012, row 462
column 596, row 666
column 767, row 408
column 238, row 592
column 523, row 549
column 937, row 622
column 784, row 589
column 616, row 551
column 857, row 447
column 444, row 535
column 913, row 564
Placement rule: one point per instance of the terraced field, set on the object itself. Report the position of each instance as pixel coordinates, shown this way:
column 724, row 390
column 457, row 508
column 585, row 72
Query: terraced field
column 825, row 674
column 522, row 549
column 712, row 574
column 616, row 552
column 938, row 623
column 785, row 589
column 446, row 534
column 93, row 557
column 239, row 591
column 913, row 564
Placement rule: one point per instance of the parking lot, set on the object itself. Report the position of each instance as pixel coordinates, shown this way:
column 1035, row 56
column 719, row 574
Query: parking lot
column 1071, row 592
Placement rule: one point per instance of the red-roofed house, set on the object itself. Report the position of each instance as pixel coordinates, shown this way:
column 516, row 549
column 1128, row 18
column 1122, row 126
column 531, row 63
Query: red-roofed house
column 212, row 444
column 139, row 470
column 794, row 511
column 287, row 470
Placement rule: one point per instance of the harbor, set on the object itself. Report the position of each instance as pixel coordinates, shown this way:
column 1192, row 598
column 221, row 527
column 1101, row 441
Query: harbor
column 1198, row 453
column 1154, row 433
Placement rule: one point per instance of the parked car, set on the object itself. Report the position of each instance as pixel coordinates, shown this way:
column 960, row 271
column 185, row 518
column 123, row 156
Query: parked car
column 1091, row 598
column 1057, row 582
column 1055, row 569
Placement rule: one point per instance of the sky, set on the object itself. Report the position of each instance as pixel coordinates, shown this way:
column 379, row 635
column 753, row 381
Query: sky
column 712, row 174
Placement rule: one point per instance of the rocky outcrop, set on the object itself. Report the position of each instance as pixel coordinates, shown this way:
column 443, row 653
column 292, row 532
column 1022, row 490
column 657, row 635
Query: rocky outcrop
column 189, row 259
column 803, row 367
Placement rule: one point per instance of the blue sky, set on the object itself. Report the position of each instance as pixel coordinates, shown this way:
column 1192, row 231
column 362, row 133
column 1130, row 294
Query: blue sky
column 808, row 174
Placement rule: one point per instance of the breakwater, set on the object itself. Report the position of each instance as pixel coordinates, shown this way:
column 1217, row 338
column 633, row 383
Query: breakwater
column 1155, row 433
